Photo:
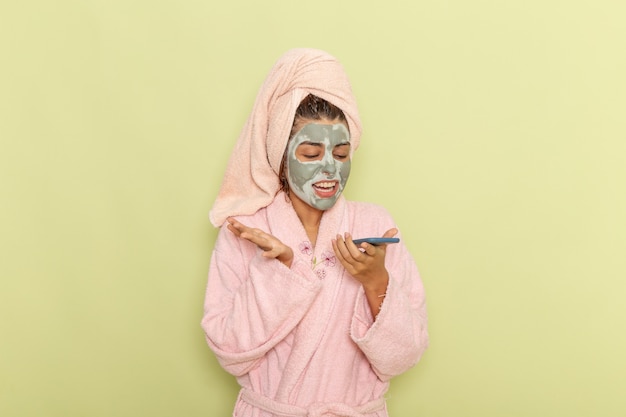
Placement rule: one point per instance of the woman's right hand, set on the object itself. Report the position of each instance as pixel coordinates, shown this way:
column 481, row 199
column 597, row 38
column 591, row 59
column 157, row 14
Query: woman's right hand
column 271, row 246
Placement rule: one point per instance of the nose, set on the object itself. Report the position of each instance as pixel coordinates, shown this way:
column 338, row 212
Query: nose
column 329, row 166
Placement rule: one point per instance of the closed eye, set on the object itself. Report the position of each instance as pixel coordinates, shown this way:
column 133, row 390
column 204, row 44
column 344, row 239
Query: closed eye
column 310, row 150
column 342, row 151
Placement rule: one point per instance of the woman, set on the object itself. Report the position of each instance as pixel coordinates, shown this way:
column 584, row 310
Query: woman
column 308, row 323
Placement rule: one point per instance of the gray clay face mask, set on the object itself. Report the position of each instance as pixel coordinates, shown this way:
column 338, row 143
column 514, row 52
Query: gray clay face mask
column 318, row 163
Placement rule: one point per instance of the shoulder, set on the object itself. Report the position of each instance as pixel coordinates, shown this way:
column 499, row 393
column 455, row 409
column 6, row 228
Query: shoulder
column 257, row 220
column 360, row 208
column 369, row 218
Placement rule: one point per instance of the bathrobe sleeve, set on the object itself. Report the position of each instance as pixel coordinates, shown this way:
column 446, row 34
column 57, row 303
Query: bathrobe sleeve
column 252, row 302
column 397, row 338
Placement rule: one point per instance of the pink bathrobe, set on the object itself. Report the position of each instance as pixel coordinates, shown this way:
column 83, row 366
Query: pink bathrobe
column 302, row 341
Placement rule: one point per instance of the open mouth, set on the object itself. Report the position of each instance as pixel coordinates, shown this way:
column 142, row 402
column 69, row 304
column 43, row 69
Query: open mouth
column 326, row 189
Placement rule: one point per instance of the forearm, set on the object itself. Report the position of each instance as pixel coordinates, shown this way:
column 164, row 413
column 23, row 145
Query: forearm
column 245, row 318
column 376, row 292
column 397, row 338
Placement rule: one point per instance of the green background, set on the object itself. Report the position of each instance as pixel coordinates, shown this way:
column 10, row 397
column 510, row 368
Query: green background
column 494, row 132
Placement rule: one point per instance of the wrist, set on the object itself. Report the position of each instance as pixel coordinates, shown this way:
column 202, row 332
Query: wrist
column 378, row 287
column 376, row 294
column 286, row 258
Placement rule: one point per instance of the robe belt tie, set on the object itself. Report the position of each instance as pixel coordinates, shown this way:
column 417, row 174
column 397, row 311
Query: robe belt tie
column 315, row 410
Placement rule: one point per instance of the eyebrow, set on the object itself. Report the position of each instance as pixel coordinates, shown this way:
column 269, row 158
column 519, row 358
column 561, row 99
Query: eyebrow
column 320, row 145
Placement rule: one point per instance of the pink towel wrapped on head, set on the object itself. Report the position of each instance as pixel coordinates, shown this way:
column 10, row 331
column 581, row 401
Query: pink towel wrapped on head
column 251, row 178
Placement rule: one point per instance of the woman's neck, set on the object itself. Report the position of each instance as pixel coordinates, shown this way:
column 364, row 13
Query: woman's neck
column 310, row 217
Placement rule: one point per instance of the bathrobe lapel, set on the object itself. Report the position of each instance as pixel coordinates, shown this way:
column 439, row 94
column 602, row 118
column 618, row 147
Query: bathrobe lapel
column 285, row 225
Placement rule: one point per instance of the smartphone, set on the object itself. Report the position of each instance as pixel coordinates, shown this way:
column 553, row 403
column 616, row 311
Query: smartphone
column 376, row 240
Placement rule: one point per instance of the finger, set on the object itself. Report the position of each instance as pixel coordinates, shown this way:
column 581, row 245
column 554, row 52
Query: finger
column 342, row 251
column 389, row 233
column 271, row 252
column 355, row 253
column 232, row 221
column 355, row 250
column 369, row 249
column 234, row 230
column 258, row 238
column 333, row 243
column 341, row 258
column 236, row 225
column 337, row 251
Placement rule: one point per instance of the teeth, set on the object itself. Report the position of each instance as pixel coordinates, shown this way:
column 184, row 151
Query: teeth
column 325, row 185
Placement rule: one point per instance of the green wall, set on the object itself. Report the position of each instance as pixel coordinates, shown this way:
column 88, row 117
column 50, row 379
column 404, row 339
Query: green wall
column 494, row 132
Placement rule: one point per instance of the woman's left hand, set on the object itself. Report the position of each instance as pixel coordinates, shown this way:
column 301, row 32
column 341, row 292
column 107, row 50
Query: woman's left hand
column 367, row 266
